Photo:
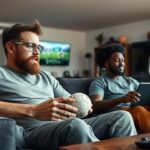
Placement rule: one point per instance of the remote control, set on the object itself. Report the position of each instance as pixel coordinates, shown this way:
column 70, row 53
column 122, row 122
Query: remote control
column 144, row 143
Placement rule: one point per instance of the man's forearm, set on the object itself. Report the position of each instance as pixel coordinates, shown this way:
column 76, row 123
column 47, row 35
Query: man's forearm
column 105, row 105
column 13, row 110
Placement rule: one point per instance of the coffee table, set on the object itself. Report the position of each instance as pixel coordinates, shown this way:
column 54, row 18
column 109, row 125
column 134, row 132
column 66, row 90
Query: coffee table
column 123, row 143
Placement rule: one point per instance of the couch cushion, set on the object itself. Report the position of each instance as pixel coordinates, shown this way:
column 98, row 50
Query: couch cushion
column 73, row 85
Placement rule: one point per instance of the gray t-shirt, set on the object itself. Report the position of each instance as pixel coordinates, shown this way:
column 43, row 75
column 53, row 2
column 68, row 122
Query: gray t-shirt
column 28, row 89
column 109, row 88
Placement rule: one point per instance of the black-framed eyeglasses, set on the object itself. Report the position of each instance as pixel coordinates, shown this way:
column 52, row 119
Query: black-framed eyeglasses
column 32, row 46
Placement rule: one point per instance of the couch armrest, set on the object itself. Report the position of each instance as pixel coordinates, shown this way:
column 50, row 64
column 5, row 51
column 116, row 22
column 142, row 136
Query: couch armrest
column 7, row 134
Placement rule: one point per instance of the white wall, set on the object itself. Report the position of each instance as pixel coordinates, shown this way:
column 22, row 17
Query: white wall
column 136, row 31
column 85, row 42
column 77, row 41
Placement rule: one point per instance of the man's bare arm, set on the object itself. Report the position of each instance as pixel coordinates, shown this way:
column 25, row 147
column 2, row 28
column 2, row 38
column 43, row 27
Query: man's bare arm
column 100, row 105
column 52, row 109
column 14, row 110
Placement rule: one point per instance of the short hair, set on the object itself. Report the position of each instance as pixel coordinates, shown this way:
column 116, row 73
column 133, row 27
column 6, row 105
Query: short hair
column 14, row 32
column 106, row 51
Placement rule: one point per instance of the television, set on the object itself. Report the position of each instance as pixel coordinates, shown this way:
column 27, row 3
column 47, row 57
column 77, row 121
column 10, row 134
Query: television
column 140, row 58
column 55, row 53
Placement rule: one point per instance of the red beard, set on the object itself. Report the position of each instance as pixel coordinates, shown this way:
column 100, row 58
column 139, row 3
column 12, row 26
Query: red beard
column 30, row 65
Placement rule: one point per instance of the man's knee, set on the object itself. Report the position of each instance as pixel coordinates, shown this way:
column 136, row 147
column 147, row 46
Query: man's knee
column 125, row 120
column 139, row 109
column 80, row 132
column 126, row 115
column 78, row 125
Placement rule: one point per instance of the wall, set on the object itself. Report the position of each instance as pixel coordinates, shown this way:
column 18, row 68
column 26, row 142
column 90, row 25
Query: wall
column 85, row 42
column 77, row 41
column 136, row 31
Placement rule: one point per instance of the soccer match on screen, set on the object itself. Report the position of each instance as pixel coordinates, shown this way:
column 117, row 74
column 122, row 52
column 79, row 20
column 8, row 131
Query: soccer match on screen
column 54, row 53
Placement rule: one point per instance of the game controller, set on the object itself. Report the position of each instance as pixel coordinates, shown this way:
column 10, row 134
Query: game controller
column 144, row 143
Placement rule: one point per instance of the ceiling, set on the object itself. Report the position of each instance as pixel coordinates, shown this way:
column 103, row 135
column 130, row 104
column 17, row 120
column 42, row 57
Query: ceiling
column 80, row 15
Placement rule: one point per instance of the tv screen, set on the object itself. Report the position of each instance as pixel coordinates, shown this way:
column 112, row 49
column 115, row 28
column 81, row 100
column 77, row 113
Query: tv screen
column 55, row 53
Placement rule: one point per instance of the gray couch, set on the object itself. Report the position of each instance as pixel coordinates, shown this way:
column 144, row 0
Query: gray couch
column 8, row 134
column 72, row 85
column 8, row 126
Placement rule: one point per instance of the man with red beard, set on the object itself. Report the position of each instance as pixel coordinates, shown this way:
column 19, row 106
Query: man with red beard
column 115, row 91
column 40, row 106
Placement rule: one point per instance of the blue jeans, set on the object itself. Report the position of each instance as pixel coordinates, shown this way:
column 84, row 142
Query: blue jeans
column 52, row 135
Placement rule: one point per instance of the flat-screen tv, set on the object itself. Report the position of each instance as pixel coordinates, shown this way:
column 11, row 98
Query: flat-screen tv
column 55, row 53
